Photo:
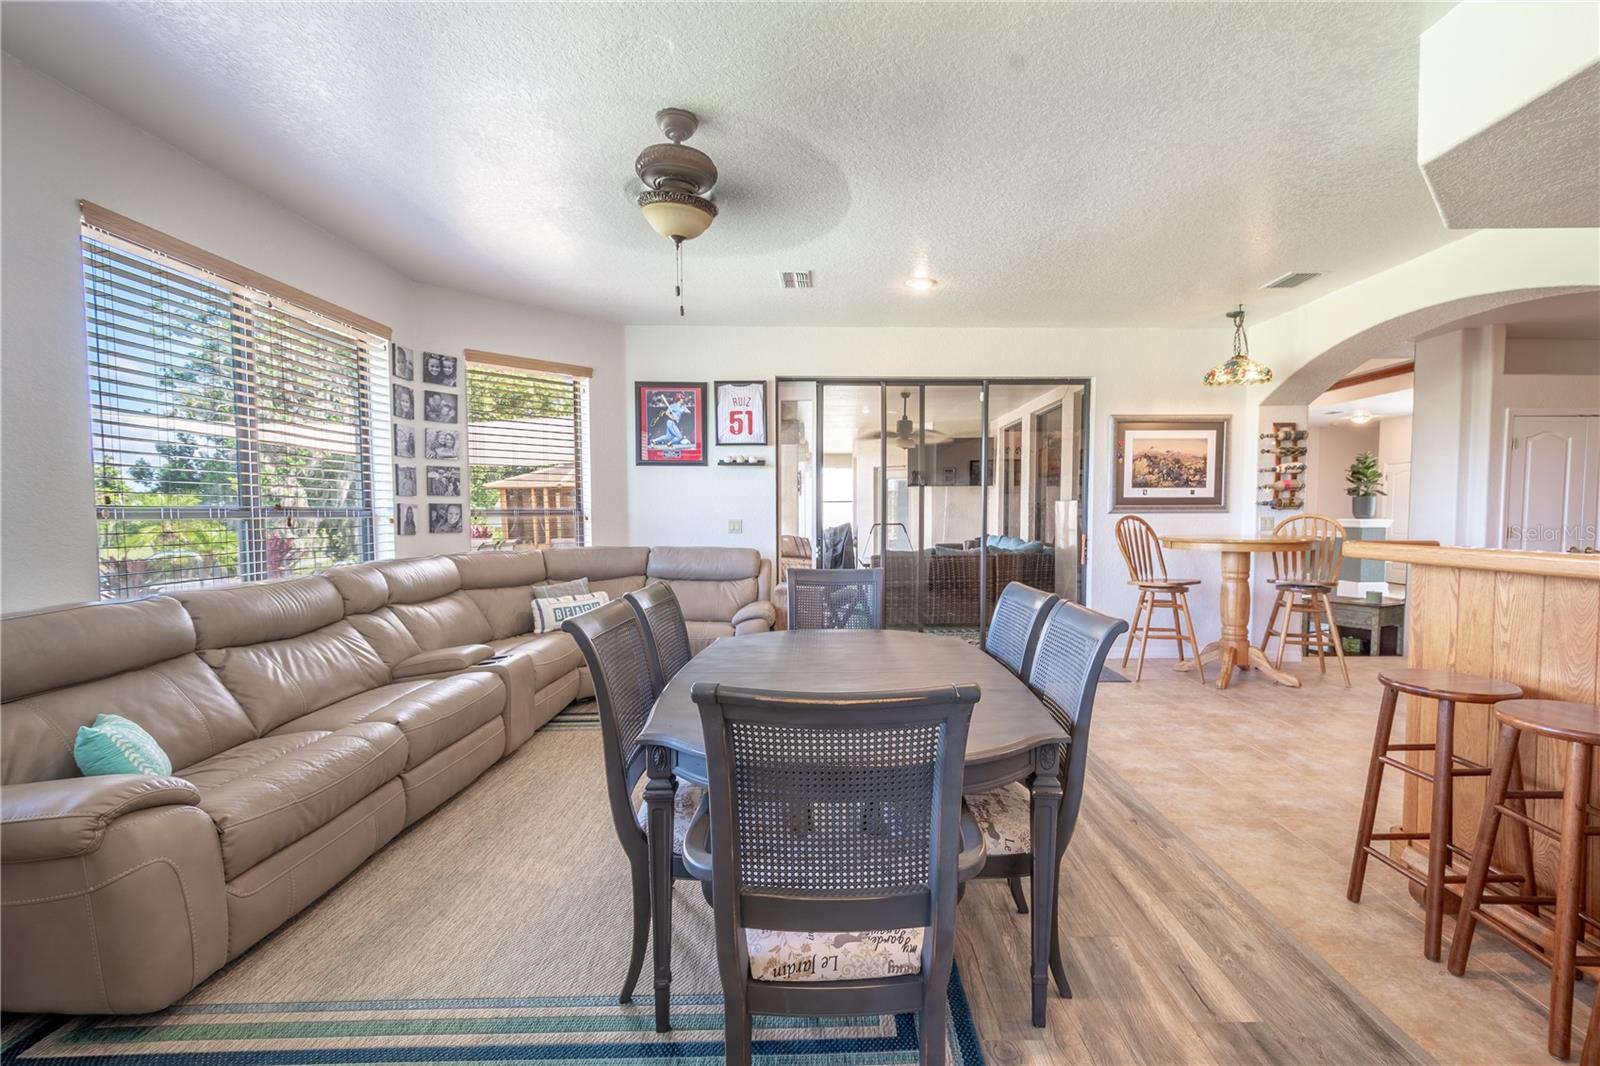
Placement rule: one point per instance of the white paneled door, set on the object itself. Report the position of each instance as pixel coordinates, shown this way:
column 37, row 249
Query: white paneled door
column 1553, row 483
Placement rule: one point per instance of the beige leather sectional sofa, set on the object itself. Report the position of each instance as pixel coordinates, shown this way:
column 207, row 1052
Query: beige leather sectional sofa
column 308, row 721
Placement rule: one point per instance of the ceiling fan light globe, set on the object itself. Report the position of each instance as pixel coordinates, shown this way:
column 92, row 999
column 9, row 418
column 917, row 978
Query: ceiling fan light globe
column 677, row 216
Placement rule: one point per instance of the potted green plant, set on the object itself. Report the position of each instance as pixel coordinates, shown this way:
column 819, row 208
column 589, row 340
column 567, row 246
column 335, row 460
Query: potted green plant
column 1366, row 485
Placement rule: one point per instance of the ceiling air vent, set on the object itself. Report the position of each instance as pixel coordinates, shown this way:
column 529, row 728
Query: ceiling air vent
column 797, row 279
column 1291, row 279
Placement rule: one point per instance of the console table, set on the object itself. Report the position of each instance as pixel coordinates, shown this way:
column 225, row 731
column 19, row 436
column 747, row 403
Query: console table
column 1354, row 614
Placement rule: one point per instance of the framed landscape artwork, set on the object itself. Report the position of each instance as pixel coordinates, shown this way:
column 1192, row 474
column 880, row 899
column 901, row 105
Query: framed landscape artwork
column 669, row 423
column 1169, row 463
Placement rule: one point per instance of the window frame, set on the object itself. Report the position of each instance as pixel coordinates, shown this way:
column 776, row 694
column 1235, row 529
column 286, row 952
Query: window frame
column 252, row 299
column 577, row 377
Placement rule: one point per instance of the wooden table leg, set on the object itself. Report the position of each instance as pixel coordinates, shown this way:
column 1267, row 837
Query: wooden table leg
column 1208, row 655
column 659, row 794
column 1238, row 652
column 1046, row 790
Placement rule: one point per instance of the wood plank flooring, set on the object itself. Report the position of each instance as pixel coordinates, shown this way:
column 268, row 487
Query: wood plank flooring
column 1170, row 961
column 1266, row 781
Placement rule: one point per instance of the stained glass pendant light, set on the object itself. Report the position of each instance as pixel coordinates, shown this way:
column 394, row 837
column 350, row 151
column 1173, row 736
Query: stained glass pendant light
column 1239, row 368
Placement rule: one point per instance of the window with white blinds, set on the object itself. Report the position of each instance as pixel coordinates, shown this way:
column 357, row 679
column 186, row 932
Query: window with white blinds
column 232, row 428
column 527, row 446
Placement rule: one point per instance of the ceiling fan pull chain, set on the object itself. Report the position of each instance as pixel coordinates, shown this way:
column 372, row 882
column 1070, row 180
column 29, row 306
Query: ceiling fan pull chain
column 678, row 246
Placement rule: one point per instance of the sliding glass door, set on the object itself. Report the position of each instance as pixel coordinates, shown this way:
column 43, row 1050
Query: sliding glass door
column 953, row 488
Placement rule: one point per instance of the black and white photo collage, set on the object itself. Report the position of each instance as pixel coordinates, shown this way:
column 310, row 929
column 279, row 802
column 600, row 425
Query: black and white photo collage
column 437, row 443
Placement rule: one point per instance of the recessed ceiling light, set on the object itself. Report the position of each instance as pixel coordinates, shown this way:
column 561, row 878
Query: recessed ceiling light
column 921, row 284
column 1361, row 418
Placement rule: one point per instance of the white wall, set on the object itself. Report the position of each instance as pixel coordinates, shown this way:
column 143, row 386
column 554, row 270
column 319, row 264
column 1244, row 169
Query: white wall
column 1329, row 452
column 56, row 148
column 1132, row 371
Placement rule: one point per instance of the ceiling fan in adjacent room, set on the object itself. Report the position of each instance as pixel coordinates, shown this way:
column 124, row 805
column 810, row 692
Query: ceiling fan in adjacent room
column 904, row 434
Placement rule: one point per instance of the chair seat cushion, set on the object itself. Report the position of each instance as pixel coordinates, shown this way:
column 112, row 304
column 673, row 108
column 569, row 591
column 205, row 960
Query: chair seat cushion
column 782, row 955
column 1295, row 585
column 686, row 802
column 554, row 655
column 266, row 794
column 433, row 713
column 1005, row 815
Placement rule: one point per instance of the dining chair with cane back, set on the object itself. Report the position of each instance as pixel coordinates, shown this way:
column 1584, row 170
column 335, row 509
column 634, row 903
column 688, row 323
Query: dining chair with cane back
column 1013, row 632
column 1147, row 571
column 833, row 812
column 836, row 599
column 1305, row 578
column 666, row 636
column 1065, row 675
column 613, row 644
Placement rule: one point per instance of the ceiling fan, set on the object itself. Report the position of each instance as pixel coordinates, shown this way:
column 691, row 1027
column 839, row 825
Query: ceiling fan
column 905, row 431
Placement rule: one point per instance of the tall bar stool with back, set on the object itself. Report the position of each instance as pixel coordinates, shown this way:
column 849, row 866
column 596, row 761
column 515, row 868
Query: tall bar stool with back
column 1147, row 571
column 1305, row 578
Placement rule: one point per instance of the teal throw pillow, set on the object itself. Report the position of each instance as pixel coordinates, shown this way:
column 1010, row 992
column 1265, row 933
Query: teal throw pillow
column 114, row 745
column 575, row 587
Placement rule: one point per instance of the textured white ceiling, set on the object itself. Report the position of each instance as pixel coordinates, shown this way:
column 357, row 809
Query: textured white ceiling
column 1075, row 164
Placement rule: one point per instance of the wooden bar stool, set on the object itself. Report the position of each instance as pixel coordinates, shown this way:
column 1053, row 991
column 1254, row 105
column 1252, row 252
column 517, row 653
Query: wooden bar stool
column 1448, row 689
column 1305, row 578
column 1558, row 944
column 1147, row 571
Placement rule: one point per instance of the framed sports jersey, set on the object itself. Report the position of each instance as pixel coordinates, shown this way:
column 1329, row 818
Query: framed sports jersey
column 741, row 412
column 669, row 423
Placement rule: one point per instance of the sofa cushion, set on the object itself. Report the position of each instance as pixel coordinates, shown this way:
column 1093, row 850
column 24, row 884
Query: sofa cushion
column 432, row 713
column 701, row 634
column 494, row 570
column 263, row 611
column 444, row 622
column 180, row 702
column 281, row 680
column 711, row 584
column 387, row 634
column 554, row 655
column 266, row 794
column 363, row 587
column 44, row 650
column 703, row 564
column 597, row 564
column 508, row 610
column 420, row 580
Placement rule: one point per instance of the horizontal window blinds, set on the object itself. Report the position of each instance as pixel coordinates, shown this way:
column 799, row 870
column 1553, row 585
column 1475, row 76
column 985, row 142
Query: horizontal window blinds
column 231, row 429
column 527, row 440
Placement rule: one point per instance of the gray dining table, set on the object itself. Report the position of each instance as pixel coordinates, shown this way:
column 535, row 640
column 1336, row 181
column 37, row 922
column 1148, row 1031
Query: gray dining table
column 1012, row 738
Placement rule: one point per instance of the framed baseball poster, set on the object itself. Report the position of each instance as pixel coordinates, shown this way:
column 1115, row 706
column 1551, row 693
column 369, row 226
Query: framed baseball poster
column 741, row 412
column 670, row 420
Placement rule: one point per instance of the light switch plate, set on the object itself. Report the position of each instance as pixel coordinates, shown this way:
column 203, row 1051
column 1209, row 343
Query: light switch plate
column 735, row 525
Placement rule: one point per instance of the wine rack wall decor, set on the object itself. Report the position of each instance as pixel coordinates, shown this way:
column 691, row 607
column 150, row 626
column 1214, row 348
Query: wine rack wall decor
column 1283, row 467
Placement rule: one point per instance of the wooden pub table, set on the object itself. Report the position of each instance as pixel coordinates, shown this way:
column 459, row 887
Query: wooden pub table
column 1234, row 651
column 1012, row 738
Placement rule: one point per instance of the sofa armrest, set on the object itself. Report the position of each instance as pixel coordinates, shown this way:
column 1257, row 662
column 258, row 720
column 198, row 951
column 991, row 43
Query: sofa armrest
column 441, row 661
column 759, row 610
column 67, row 817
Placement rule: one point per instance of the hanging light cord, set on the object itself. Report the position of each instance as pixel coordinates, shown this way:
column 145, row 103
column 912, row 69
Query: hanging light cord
column 677, row 243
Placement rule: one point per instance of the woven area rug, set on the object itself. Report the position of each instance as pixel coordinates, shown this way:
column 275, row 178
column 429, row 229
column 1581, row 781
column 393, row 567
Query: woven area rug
column 495, row 930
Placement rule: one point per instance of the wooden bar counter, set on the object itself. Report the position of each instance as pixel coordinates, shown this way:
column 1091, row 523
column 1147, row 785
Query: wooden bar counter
column 1531, row 618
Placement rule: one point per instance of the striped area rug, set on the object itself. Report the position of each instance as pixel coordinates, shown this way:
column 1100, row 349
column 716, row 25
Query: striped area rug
column 495, row 930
